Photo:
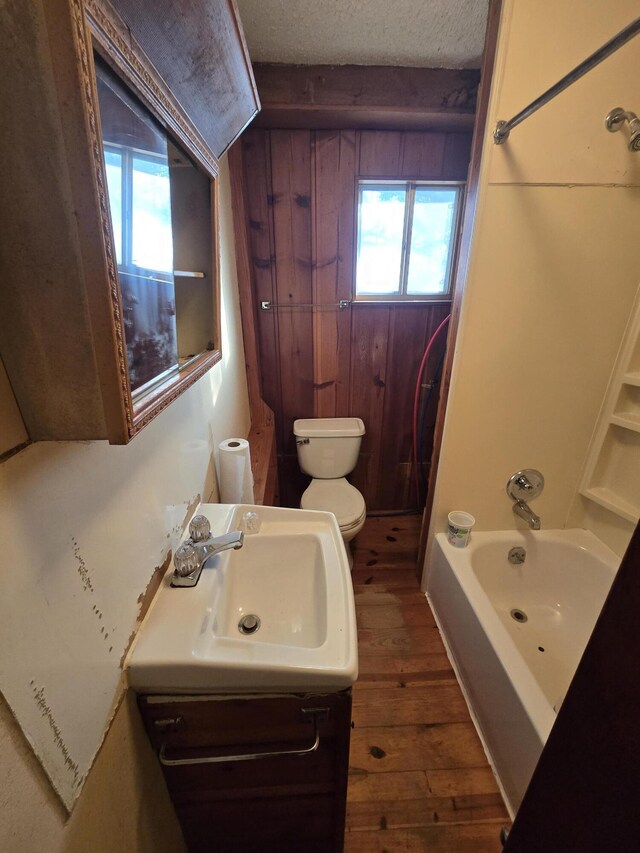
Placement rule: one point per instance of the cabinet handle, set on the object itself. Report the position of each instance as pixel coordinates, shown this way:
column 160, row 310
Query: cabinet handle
column 316, row 714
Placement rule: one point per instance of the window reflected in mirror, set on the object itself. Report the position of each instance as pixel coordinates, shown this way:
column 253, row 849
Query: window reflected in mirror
column 160, row 205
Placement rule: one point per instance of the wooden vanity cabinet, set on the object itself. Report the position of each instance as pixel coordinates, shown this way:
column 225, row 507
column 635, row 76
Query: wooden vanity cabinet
column 73, row 289
column 283, row 803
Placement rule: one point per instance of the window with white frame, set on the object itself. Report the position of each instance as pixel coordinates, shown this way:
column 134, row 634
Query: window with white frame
column 406, row 238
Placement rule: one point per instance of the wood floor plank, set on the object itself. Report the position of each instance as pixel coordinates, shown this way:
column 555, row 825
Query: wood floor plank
column 435, row 703
column 433, row 667
column 394, row 616
column 418, row 778
column 460, row 838
column 390, row 577
column 406, row 799
column 380, row 556
column 404, row 785
column 388, row 538
column 424, row 747
column 414, row 639
column 461, row 782
column 405, row 527
column 423, row 811
column 379, row 594
column 399, row 664
column 457, row 783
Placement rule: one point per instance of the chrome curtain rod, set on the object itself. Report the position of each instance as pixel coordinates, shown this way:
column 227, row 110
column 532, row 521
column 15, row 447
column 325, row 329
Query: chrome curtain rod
column 503, row 128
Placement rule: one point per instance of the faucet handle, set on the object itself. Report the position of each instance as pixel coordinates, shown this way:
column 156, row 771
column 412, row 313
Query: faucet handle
column 185, row 560
column 522, row 482
column 199, row 528
column 525, row 485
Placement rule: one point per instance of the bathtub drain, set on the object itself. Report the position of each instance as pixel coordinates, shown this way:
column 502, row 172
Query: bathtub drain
column 519, row 615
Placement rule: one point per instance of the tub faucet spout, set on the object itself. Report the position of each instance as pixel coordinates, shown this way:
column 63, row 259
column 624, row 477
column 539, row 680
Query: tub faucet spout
column 523, row 510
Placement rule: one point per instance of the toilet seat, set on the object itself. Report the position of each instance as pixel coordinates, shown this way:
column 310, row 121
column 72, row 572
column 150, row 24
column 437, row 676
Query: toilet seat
column 339, row 497
column 346, row 528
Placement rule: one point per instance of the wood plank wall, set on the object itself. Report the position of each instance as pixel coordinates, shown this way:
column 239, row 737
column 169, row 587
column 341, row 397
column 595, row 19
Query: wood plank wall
column 300, row 194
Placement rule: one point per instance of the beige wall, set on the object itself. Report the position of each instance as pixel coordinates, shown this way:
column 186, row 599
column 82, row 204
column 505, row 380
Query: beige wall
column 105, row 498
column 554, row 270
column 124, row 807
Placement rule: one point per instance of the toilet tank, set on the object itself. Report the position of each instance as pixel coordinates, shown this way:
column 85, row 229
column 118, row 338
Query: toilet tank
column 328, row 447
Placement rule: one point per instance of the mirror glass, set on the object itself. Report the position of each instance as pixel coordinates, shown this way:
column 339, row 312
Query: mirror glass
column 160, row 208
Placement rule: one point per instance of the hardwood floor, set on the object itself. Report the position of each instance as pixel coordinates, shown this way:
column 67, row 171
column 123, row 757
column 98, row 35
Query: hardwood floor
column 418, row 776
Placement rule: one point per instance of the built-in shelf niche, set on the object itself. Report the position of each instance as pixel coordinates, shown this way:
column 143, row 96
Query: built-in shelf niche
column 627, row 409
column 612, row 473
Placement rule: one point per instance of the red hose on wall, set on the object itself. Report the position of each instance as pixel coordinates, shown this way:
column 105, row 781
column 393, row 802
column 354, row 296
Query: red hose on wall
column 416, row 400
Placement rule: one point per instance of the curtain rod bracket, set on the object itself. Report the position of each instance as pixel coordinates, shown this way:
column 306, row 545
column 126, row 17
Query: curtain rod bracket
column 501, row 132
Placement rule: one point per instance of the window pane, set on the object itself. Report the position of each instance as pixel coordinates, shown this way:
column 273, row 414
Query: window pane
column 113, row 165
column 152, row 241
column 431, row 240
column 380, row 231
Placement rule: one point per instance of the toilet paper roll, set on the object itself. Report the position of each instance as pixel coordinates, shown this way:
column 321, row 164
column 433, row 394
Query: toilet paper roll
column 235, row 477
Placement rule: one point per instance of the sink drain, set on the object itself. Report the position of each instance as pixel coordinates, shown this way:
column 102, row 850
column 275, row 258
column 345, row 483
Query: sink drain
column 519, row 615
column 249, row 624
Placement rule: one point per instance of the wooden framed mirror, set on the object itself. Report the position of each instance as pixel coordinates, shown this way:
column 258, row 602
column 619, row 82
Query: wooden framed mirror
column 160, row 185
column 109, row 208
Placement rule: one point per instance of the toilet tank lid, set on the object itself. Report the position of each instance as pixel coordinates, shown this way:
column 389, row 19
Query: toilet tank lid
column 328, row 427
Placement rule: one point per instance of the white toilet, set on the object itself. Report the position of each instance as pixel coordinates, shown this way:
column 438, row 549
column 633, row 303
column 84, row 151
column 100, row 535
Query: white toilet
column 328, row 450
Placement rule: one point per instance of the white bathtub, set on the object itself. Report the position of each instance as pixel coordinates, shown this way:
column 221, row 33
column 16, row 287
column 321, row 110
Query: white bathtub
column 515, row 674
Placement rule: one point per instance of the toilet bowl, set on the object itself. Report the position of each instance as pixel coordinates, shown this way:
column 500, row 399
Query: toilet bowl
column 328, row 450
column 340, row 498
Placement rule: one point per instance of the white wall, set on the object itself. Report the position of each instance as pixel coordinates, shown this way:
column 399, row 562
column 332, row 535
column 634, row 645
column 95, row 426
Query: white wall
column 84, row 527
column 554, row 268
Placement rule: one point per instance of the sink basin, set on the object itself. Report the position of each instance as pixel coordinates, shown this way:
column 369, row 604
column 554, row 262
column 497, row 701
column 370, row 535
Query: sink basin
column 277, row 614
column 264, row 568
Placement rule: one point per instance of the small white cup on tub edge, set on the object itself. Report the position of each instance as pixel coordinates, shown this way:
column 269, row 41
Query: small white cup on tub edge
column 459, row 528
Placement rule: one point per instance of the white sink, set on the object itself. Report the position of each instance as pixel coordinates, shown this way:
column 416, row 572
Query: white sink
column 282, row 579
column 293, row 575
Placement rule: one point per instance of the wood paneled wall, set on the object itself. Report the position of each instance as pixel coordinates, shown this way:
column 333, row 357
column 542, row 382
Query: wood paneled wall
column 300, row 197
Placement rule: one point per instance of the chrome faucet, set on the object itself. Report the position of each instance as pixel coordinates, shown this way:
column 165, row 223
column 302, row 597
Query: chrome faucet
column 528, row 483
column 190, row 557
column 523, row 510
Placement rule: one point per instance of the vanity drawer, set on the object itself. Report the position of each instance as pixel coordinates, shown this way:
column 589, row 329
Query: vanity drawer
column 194, row 722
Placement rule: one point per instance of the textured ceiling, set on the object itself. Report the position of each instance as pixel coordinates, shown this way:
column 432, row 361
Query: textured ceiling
column 423, row 33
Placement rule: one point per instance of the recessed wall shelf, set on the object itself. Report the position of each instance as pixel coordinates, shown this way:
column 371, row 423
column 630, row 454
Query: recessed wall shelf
column 612, row 472
column 609, row 500
column 627, row 423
